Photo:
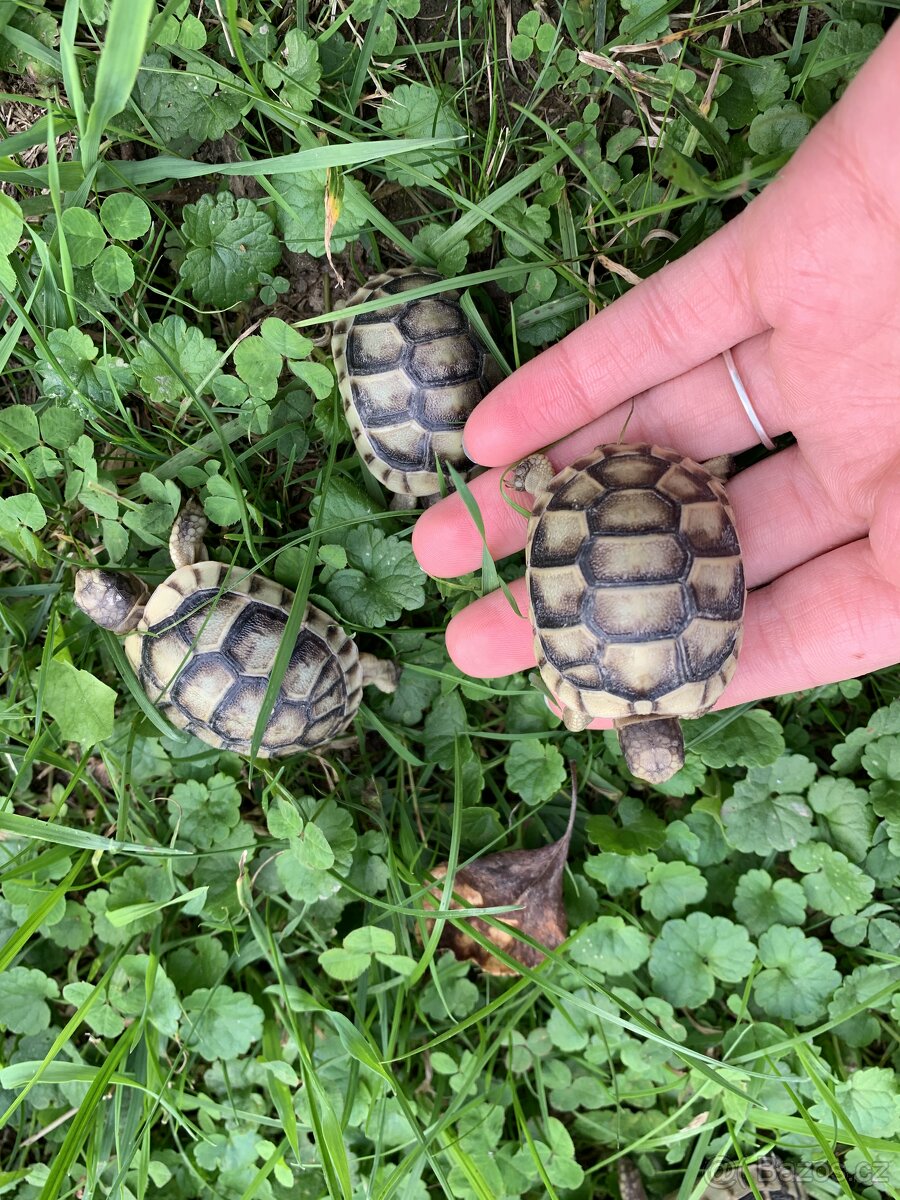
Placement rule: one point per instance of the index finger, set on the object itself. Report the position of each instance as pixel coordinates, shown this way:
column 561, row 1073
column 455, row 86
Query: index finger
column 688, row 312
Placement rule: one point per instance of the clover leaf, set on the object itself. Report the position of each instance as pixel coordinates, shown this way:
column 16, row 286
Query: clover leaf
column 101, row 1017
column 833, row 884
column 70, row 374
column 612, row 946
column 798, row 976
column 134, row 976
column 298, row 866
column 535, row 770
column 416, row 110
column 359, row 947
column 691, row 954
column 760, row 901
column 230, row 246
column 766, row 811
column 383, row 581
column 620, row 872
column 220, row 1023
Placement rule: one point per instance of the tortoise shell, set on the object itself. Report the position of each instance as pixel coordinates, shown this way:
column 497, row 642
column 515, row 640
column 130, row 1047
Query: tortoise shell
column 204, row 650
column 635, row 584
column 409, row 375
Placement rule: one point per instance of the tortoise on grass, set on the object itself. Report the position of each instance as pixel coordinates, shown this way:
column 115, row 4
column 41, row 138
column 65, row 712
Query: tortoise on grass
column 203, row 645
column 636, row 593
column 771, row 1180
column 409, row 375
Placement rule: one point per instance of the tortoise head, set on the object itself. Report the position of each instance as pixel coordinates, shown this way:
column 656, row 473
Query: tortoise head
column 113, row 600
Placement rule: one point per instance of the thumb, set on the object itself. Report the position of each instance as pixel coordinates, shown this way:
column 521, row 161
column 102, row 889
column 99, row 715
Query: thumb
column 884, row 533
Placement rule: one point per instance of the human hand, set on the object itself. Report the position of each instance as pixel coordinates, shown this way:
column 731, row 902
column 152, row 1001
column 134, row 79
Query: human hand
column 804, row 286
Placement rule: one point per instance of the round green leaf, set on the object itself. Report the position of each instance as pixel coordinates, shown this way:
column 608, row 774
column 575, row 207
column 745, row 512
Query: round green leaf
column 84, row 236
column 125, row 217
column 113, row 271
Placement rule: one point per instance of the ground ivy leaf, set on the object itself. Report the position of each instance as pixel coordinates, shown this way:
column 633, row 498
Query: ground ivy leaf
column 443, row 725
column 230, row 246
column 73, row 932
column 284, row 339
column 419, row 111
column 754, row 739
column 369, row 939
column 297, row 73
column 760, row 901
column 766, row 811
column 691, row 953
column 798, row 976
column 846, row 814
column 313, row 850
column 301, row 218
column 671, row 887
column 283, row 819
column 620, row 872
column 449, row 993
column 781, row 127
column 81, row 704
column 870, row 1100
column 535, row 770
column 832, row 884
column 194, row 361
column 884, row 721
column 205, row 813
column 220, row 1023
column 183, row 107
column 612, row 946
column 640, row 829
column 384, row 581
column 128, row 993
column 101, row 1018
column 24, row 992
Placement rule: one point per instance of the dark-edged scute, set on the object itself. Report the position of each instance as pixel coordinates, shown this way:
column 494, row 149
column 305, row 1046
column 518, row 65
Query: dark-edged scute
column 204, row 617
column 444, row 360
column 420, row 322
column 374, row 348
column 249, row 641
column 635, row 583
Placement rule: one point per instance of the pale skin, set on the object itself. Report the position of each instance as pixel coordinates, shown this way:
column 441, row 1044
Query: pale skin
column 804, row 287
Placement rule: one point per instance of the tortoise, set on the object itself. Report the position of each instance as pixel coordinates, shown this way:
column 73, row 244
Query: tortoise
column 204, row 643
column 771, row 1180
column 409, row 376
column 636, row 593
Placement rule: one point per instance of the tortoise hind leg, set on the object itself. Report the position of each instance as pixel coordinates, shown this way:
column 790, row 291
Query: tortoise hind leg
column 186, row 539
column 653, row 749
column 379, row 672
column 533, row 474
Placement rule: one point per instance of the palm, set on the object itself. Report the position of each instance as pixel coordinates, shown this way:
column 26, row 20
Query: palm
column 805, row 286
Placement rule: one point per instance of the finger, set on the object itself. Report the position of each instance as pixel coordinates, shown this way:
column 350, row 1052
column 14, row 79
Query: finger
column 698, row 412
column 784, row 517
column 833, row 618
column 687, row 313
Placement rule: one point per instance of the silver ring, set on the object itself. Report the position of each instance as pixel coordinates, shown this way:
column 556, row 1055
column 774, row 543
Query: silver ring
column 745, row 400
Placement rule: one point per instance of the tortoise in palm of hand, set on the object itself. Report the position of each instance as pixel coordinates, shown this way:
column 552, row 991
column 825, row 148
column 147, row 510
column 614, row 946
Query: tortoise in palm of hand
column 636, row 593
column 409, row 375
column 203, row 645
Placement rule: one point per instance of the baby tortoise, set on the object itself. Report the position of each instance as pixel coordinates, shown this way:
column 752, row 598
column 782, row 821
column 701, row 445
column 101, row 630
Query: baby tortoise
column 771, row 1179
column 636, row 593
column 409, row 375
column 529, row 879
column 204, row 642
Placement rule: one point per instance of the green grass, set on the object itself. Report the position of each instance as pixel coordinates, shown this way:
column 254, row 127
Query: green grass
column 218, row 982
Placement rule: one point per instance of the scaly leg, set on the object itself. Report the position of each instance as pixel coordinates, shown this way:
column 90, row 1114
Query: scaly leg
column 379, row 672
column 533, row 474
column 186, row 539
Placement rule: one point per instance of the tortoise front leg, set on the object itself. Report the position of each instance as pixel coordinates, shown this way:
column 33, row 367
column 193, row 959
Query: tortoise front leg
column 379, row 672
column 533, row 474
column 186, row 539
